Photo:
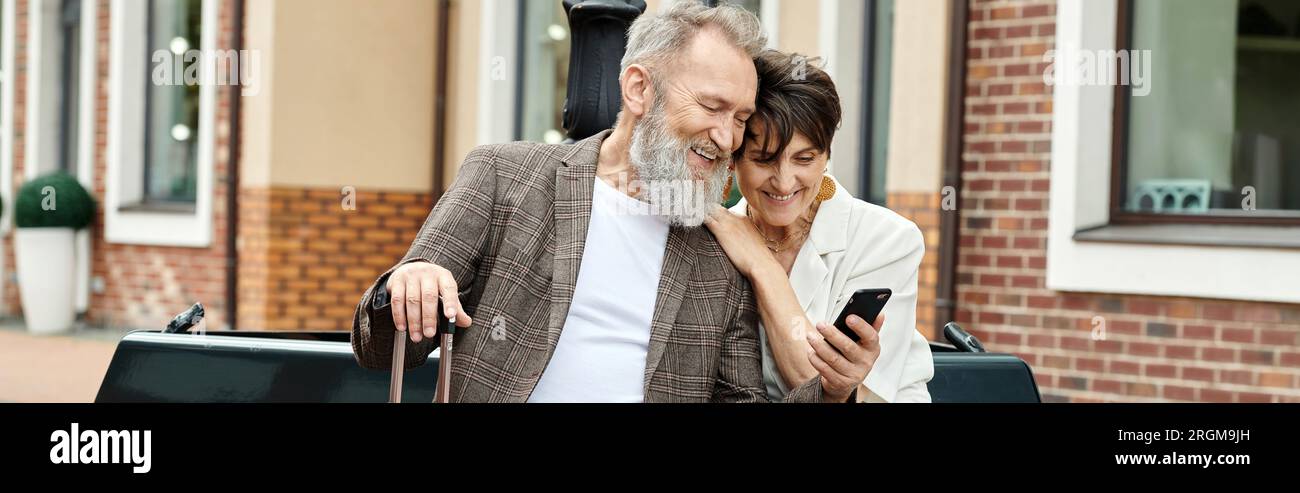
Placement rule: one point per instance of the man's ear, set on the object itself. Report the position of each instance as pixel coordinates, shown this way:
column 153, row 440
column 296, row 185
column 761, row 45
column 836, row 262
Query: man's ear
column 637, row 90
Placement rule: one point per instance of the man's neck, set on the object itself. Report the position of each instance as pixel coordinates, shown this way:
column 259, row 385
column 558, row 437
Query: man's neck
column 614, row 165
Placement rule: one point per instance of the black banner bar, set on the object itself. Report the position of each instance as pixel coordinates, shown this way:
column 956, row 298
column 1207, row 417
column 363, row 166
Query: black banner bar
column 320, row 442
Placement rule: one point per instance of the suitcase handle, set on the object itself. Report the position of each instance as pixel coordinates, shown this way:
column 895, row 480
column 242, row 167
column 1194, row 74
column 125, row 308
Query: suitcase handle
column 447, row 331
column 398, row 368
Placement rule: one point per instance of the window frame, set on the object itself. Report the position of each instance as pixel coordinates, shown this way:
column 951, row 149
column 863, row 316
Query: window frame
column 69, row 90
column 1077, row 205
column 126, row 219
column 867, row 142
column 1119, row 166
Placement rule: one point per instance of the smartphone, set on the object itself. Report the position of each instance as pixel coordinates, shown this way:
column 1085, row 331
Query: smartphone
column 865, row 303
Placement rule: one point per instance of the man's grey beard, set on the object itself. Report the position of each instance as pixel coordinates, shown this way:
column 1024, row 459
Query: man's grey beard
column 660, row 160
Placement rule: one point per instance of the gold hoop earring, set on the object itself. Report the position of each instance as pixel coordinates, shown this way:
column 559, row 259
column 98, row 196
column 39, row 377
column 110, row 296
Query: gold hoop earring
column 827, row 189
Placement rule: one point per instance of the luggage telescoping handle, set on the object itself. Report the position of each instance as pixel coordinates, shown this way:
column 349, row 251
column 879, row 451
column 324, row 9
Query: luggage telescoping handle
column 442, row 394
column 398, row 368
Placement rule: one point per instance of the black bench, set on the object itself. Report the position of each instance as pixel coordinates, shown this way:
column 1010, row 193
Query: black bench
column 246, row 366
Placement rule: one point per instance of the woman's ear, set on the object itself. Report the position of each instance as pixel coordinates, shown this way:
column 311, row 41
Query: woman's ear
column 637, row 90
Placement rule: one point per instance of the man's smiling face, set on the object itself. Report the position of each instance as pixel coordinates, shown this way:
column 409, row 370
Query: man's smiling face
column 707, row 96
column 692, row 121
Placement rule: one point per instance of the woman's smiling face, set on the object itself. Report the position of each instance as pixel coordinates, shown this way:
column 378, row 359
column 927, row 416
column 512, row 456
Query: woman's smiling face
column 780, row 188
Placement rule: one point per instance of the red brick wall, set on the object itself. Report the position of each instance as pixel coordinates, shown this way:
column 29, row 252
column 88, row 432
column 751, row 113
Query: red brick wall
column 304, row 260
column 12, row 306
column 1156, row 348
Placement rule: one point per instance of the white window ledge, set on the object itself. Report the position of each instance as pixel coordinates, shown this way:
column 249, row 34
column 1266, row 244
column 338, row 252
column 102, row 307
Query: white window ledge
column 1194, row 235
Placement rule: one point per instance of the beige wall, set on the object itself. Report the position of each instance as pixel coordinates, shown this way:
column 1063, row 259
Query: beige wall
column 255, row 158
column 919, row 95
column 798, row 21
column 351, row 94
column 462, row 85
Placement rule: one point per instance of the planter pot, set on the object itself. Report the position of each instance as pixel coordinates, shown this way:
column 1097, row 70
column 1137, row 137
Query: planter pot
column 46, row 278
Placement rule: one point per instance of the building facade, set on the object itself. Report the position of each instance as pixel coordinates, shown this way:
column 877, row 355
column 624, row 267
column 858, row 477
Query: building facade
column 276, row 201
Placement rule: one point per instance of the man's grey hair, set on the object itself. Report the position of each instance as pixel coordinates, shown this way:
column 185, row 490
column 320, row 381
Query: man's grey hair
column 655, row 39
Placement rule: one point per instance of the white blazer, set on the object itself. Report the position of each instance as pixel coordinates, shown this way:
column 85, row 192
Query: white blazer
column 856, row 245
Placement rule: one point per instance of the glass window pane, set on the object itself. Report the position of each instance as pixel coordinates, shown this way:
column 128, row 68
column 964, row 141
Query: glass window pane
column 881, row 75
column 545, row 68
column 753, row 6
column 69, row 84
column 1220, row 129
column 172, row 111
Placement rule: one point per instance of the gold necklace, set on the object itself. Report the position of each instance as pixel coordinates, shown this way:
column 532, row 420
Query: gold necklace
column 774, row 245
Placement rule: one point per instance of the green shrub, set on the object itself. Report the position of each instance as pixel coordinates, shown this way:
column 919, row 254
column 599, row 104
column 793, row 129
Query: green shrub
column 55, row 200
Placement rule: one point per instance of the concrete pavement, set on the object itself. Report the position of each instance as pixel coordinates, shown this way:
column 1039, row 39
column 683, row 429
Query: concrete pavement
column 62, row 368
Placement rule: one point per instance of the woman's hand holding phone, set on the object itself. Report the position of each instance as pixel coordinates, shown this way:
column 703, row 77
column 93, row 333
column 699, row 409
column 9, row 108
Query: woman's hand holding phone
column 842, row 362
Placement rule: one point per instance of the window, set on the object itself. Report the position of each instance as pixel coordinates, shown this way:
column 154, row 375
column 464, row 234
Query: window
column 754, row 6
column 171, row 110
column 1148, row 259
column 55, row 87
column 544, row 45
column 545, row 65
column 69, row 84
column 159, row 170
column 876, row 63
column 1217, row 136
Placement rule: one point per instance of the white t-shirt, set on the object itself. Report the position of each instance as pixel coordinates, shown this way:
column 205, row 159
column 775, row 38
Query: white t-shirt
column 601, row 355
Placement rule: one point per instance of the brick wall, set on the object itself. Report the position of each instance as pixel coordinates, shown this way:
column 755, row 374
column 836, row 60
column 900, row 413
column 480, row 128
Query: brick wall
column 12, row 306
column 304, row 260
column 1156, row 348
column 923, row 209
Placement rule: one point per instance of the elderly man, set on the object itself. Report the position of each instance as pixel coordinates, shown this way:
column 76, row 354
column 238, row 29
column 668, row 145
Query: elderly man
column 590, row 277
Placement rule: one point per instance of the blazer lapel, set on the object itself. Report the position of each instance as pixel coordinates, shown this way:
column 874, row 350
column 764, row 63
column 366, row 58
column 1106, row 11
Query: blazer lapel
column 808, row 274
column 574, row 182
column 675, row 276
column 811, row 274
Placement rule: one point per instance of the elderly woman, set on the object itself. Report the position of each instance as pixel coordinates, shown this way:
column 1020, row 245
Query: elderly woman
column 807, row 245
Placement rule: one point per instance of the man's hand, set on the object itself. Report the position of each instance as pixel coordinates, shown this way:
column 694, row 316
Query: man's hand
column 842, row 363
column 414, row 290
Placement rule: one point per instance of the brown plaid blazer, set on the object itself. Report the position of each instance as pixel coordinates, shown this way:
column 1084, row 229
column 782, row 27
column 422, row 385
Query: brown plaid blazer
column 512, row 226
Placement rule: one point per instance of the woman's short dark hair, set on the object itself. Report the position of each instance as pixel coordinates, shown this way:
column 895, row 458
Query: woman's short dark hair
column 794, row 94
